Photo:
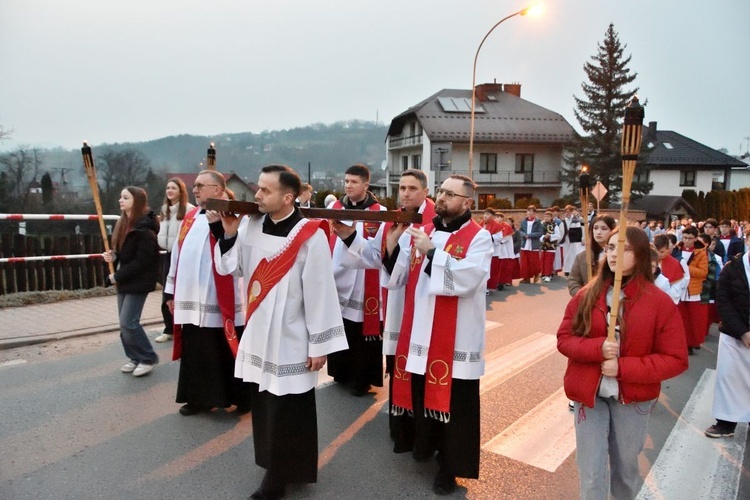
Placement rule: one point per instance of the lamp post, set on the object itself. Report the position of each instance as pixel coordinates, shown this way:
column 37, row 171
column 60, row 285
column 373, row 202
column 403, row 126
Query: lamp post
column 521, row 12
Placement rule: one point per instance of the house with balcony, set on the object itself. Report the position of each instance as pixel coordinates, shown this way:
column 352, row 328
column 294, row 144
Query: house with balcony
column 518, row 145
column 674, row 163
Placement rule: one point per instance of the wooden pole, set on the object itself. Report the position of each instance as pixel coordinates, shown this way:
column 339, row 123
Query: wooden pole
column 583, row 182
column 88, row 163
column 630, row 148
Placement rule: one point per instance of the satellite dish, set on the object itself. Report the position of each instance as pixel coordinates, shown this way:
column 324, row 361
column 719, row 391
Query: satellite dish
column 384, row 165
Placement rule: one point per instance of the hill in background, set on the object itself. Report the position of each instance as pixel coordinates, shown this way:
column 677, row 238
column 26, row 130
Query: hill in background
column 329, row 149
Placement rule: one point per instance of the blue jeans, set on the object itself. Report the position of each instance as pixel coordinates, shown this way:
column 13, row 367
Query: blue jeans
column 609, row 438
column 133, row 336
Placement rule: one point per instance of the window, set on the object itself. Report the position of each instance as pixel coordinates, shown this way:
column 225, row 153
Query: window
column 488, row 163
column 524, row 163
column 404, row 163
column 416, row 162
column 485, row 200
column 687, row 178
column 640, row 177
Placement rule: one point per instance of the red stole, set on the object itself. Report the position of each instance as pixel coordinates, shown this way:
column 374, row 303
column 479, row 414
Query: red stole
column 439, row 375
column 427, row 215
column 371, row 302
column 269, row 272
column 224, row 292
column 672, row 269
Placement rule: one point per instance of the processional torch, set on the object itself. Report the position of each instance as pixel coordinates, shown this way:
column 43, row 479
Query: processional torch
column 211, row 157
column 584, row 184
column 630, row 147
column 88, row 164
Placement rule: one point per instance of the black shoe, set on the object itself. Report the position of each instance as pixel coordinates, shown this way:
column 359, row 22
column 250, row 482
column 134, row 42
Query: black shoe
column 261, row 494
column 422, row 456
column 359, row 391
column 242, row 409
column 188, row 409
column 690, row 351
column 500, row 287
column 444, row 484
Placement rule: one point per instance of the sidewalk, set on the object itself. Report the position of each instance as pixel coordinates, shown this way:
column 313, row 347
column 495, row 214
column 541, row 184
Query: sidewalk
column 20, row 326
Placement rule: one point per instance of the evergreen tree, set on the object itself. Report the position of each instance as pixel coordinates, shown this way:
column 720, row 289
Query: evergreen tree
column 600, row 113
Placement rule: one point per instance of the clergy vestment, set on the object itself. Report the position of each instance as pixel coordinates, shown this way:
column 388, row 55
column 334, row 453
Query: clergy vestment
column 368, row 254
column 206, row 376
column 455, row 434
column 361, row 365
column 298, row 318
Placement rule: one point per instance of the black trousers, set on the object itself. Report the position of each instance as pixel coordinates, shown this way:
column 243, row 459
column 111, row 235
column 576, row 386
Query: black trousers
column 360, row 365
column 207, row 370
column 457, row 441
column 285, row 435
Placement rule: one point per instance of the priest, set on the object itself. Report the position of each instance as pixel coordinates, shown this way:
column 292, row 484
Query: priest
column 440, row 352
column 293, row 323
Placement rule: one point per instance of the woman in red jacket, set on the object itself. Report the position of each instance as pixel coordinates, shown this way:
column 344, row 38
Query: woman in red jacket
column 615, row 384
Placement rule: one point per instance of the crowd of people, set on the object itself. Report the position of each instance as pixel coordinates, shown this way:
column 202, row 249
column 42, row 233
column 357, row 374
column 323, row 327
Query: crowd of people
column 257, row 304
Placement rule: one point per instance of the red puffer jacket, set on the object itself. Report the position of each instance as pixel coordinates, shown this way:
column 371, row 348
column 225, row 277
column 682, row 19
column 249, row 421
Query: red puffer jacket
column 652, row 348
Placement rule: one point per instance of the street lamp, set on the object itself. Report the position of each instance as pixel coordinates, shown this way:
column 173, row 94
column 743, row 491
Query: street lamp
column 522, row 12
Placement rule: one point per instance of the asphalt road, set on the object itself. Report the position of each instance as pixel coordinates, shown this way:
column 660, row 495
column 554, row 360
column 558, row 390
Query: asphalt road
column 73, row 426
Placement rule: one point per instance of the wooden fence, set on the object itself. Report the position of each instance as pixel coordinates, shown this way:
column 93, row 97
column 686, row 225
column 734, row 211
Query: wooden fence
column 67, row 274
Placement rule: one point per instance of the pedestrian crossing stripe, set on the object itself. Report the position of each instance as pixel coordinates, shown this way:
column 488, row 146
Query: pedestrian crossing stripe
column 691, row 465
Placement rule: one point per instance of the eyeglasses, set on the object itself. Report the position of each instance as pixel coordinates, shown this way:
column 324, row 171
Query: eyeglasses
column 449, row 194
column 613, row 248
column 200, row 186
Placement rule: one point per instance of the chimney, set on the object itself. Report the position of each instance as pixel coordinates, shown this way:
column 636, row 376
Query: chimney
column 651, row 131
column 513, row 89
column 487, row 88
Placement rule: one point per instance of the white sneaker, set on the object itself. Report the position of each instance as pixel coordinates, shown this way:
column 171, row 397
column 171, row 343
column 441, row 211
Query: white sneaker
column 128, row 368
column 164, row 337
column 142, row 369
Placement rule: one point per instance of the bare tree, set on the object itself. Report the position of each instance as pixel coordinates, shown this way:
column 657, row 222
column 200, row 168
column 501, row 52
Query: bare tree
column 4, row 134
column 118, row 169
column 21, row 167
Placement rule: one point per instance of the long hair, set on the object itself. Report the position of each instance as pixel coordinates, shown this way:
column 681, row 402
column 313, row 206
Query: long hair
column 181, row 201
column 125, row 224
column 596, row 248
column 637, row 240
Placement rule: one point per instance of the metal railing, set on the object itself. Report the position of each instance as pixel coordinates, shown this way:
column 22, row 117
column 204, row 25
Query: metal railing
column 400, row 142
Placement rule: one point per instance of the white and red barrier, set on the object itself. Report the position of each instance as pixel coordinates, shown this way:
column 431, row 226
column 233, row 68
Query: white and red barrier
column 55, row 217
column 17, row 260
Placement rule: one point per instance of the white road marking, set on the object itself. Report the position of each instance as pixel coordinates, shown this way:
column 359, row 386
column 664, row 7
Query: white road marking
column 543, row 438
column 491, row 325
column 12, row 362
column 690, row 465
column 514, row 358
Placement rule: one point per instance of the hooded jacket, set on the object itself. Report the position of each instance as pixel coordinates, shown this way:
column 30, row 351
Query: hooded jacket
column 137, row 261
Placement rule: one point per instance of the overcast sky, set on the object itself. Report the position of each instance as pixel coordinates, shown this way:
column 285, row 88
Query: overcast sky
column 144, row 69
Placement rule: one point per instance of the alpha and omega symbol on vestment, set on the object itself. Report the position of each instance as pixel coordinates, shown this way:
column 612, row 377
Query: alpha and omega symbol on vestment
column 439, row 372
column 371, row 305
column 399, row 369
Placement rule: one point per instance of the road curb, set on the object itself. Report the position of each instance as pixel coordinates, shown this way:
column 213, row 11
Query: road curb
column 12, row 343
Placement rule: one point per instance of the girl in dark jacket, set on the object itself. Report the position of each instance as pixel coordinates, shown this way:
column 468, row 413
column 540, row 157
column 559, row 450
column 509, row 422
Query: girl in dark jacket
column 135, row 253
column 615, row 384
